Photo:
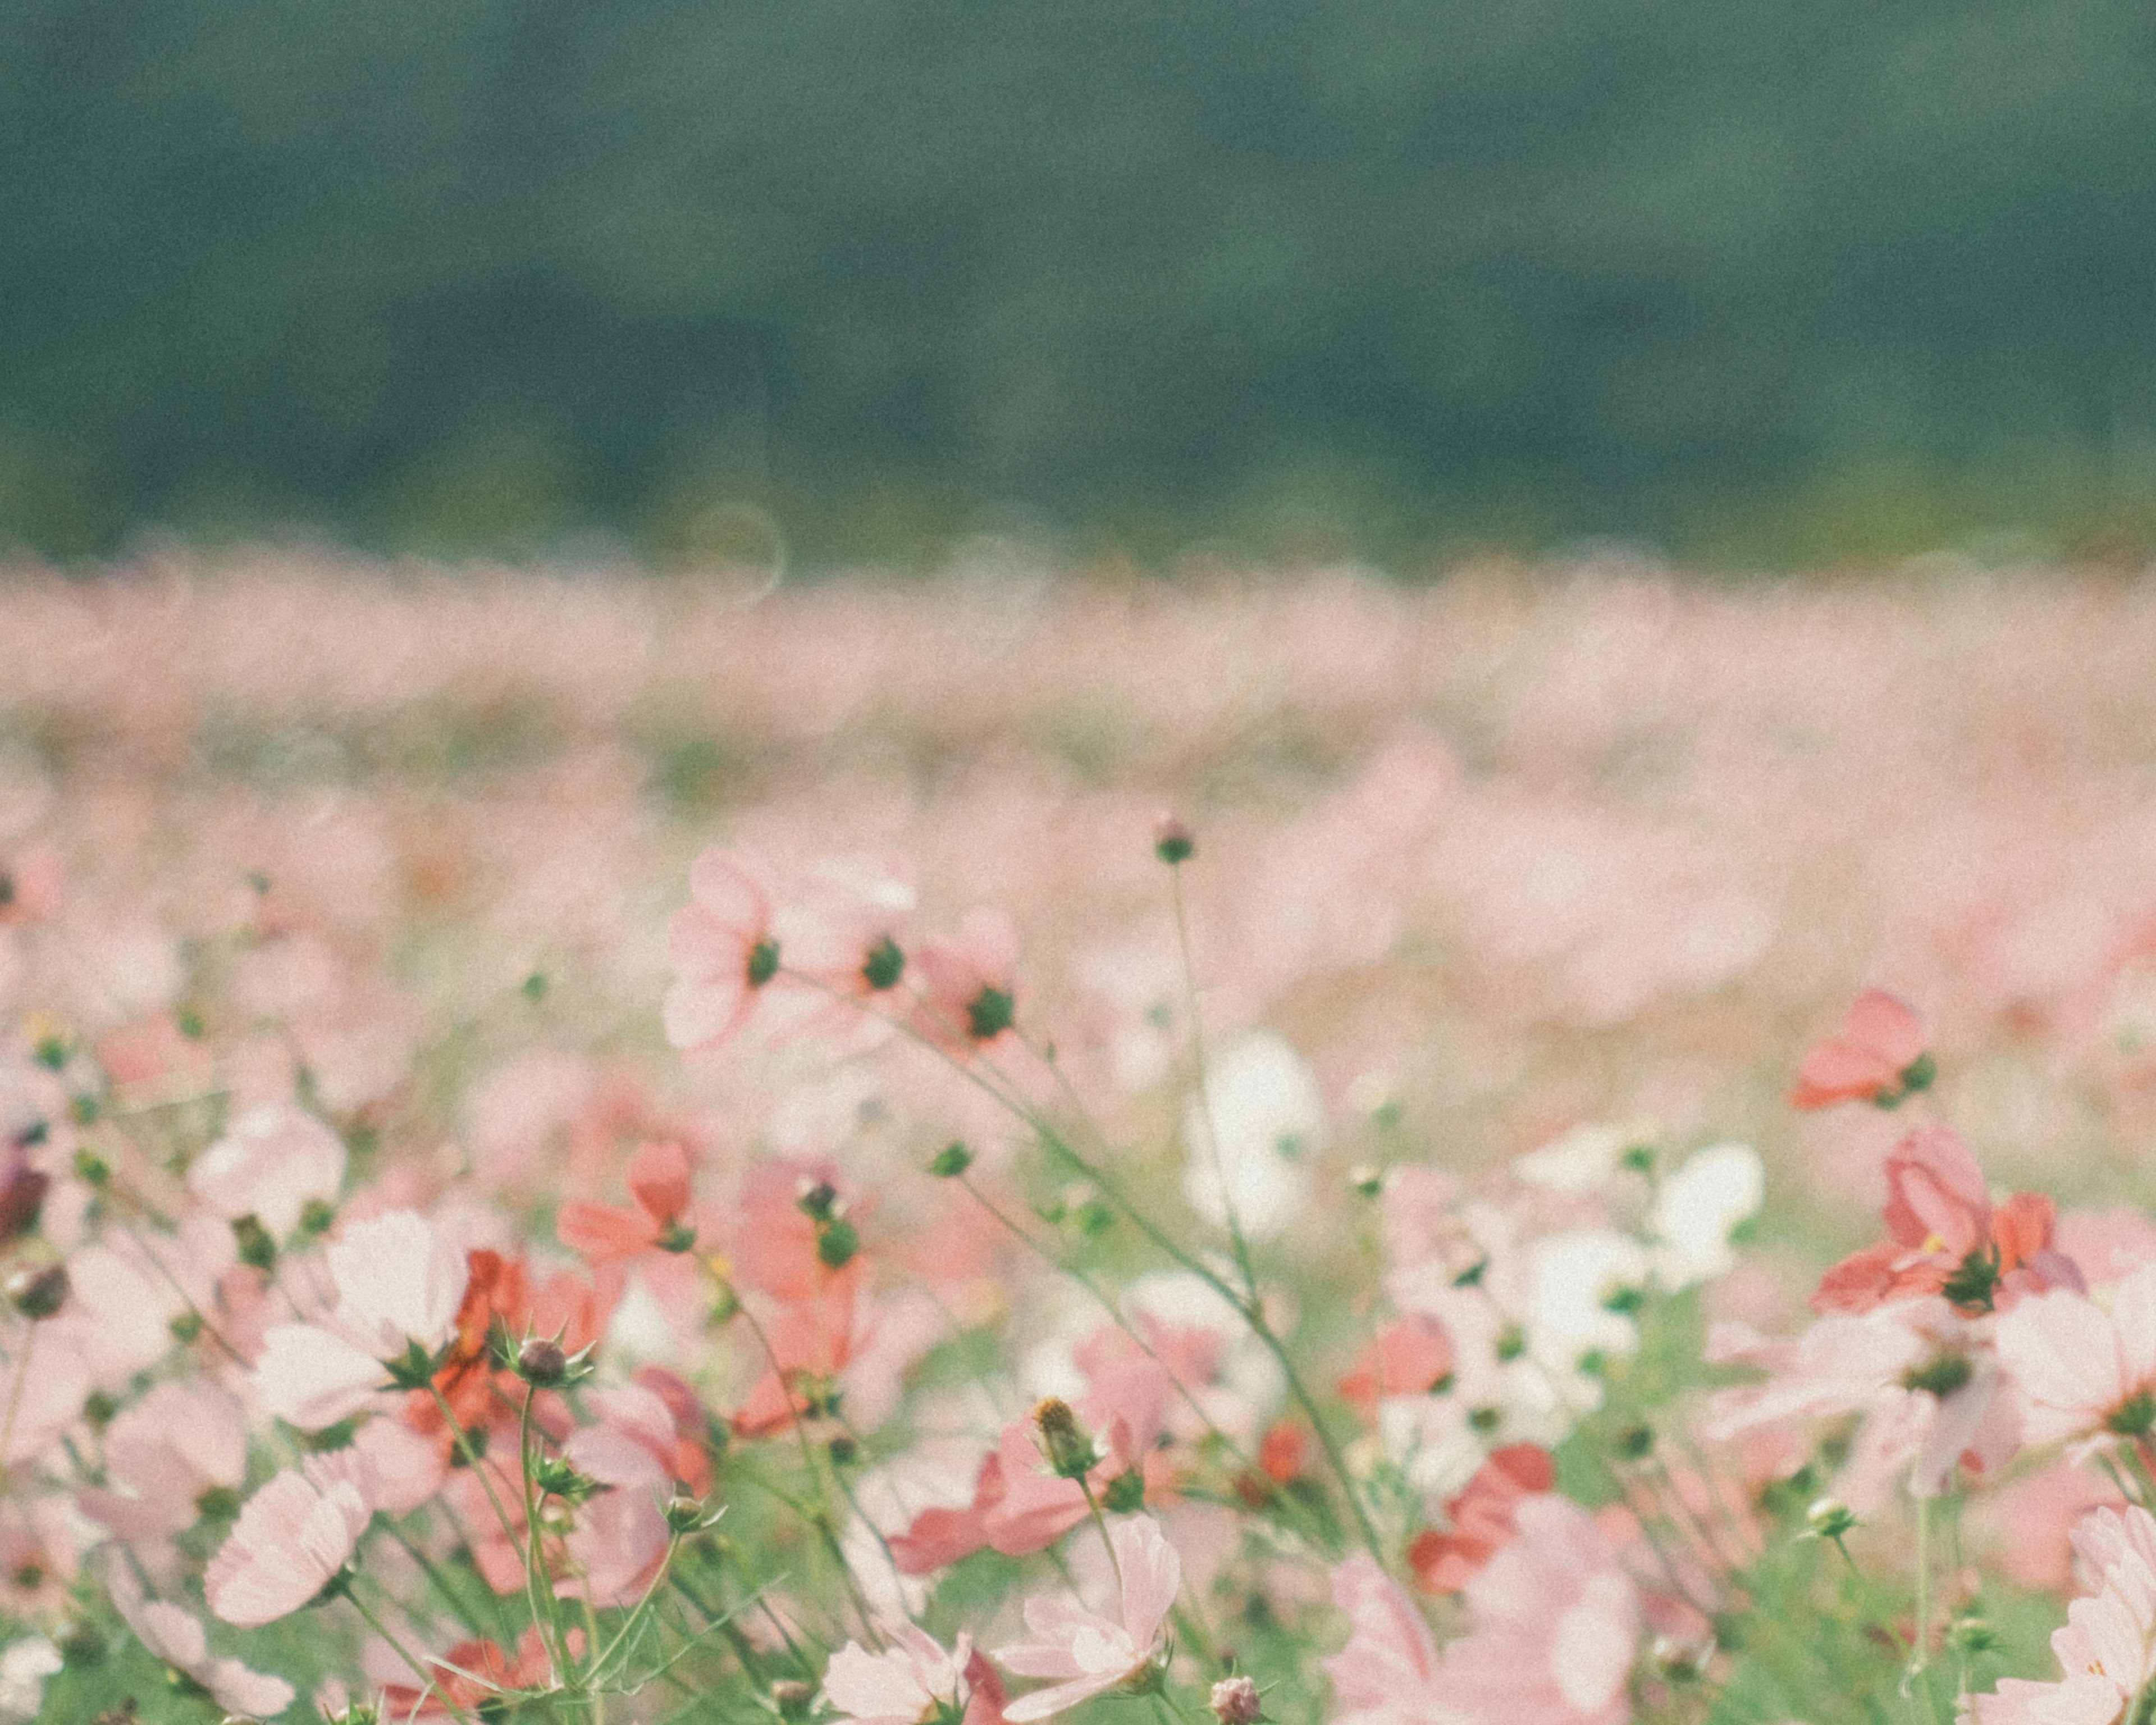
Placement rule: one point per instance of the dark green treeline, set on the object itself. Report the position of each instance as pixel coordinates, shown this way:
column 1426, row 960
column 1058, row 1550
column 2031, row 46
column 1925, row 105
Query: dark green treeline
column 497, row 271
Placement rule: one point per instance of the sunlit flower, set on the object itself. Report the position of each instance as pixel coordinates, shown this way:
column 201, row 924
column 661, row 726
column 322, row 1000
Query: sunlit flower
column 914, row 1682
column 1104, row 1641
column 291, row 1540
column 178, row 1638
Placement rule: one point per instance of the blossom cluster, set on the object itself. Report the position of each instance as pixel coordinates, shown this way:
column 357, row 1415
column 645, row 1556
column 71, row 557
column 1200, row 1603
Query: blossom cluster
column 835, row 1284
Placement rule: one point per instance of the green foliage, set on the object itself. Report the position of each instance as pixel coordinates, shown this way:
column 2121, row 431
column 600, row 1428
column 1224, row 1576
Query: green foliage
column 457, row 273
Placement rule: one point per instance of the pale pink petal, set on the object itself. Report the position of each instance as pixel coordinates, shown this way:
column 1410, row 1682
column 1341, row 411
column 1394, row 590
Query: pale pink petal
column 313, row 1379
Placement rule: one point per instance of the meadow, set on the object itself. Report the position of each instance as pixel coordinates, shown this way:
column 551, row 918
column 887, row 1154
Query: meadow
column 593, row 1146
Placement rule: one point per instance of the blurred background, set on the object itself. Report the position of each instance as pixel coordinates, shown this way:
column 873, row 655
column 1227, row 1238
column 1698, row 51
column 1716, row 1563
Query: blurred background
column 1756, row 283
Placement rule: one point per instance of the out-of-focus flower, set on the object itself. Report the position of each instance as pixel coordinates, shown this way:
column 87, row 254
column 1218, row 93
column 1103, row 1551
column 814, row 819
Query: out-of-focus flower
column 723, row 952
column 178, row 1638
column 915, row 1682
column 658, row 1180
column 399, row 1282
column 1483, row 1518
column 1388, row 1672
column 1410, row 1356
column 2083, row 1371
column 1878, row 1056
column 969, row 984
column 163, row 1456
column 276, row 1161
column 291, row 1540
column 1697, row 1207
column 2108, row 1647
column 1093, row 1645
column 24, row 1669
column 1260, row 1114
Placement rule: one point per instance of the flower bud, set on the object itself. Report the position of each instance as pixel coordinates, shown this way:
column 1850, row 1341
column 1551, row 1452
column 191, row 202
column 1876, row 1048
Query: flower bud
column 1172, row 842
column 1067, row 1445
column 38, row 1292
column 1235, row 1701
column 541, row 1363
column 791, row 1698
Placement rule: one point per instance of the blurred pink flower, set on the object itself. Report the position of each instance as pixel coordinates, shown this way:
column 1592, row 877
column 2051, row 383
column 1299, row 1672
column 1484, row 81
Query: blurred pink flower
column 658, row 1180
column 722, row 949
column 912, row 1682
column 291, row 1540
column 180, row 1442
column 1556, row 1624
column 178, row 1638
column 1388, row 1672
column 1868, row 1060
column 1090, row 1650
column 2108, row 1647
column 399, row 1282
column 2084, row 1372
column 272, row 1163
column 969, row 982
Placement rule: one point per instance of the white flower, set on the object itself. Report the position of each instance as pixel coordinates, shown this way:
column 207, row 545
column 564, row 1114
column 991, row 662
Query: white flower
column 1698, row 1208
column 24, row 1669
column 1262, row 1112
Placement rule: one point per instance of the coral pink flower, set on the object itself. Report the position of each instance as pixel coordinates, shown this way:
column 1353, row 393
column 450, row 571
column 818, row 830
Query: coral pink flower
column 1388, row 1672
column 273, row 1162
column 2083, row 1371
column 1874, row 1059
column 1556, row 1622
column 291, row 1541
column 473, row 1673
column 399, row 1282
column 1100, row 1643
column 912, row 1682
column 178, row 1638
column 1944, row 1237
column 1482, row 1517
column 722, row 949
column 1409, row 1356
column 2108, row 1647
column 163, row 1456
column 659, row 1181
column 969, row 984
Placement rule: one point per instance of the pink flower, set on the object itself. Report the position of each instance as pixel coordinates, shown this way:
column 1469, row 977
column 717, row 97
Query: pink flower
column 913, row 1682
column 1944, row 1237
column 2108, row 1647
column 274, row 1161
column 289, row 1543
column 1388, row 1672
column 2083, row 1371
column 1482, row 1517
column 722, row 949
column 659, row 1181
column 1090, row 1651
column 1408, row 1357
column 164, row 1455
column 399, row 1282
column 1871, row 1060
column 970, row 984
column 1556, row 1622
column 178, row 1638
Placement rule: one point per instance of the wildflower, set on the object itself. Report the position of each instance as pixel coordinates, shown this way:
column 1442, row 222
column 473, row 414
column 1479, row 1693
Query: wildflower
column 291, row 1541
column 400, row 1283
column 969, row 982
column 1945, row 1237
column 184, row 1444
column 24, row 1669
column 1235, row 1701
column 912, row 1682
column 1410, row 1356
column 1482, row 1517
column 1697, row 1207
column 722, row 949
column 1080, row 1643
column 1388, row 1672
column 1878, row 1057
column 178, row 1638
column 1247, row 1138
column 2108, row 1647
column 1556, row 1623
column 2085, row 1373
column 659, row 1181
column 273, row 1164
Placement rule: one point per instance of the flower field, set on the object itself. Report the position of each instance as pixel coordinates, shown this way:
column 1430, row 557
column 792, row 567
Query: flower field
column 1562, row 1146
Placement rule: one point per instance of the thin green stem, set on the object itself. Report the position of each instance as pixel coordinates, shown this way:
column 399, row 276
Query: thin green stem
column 429, row 1682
